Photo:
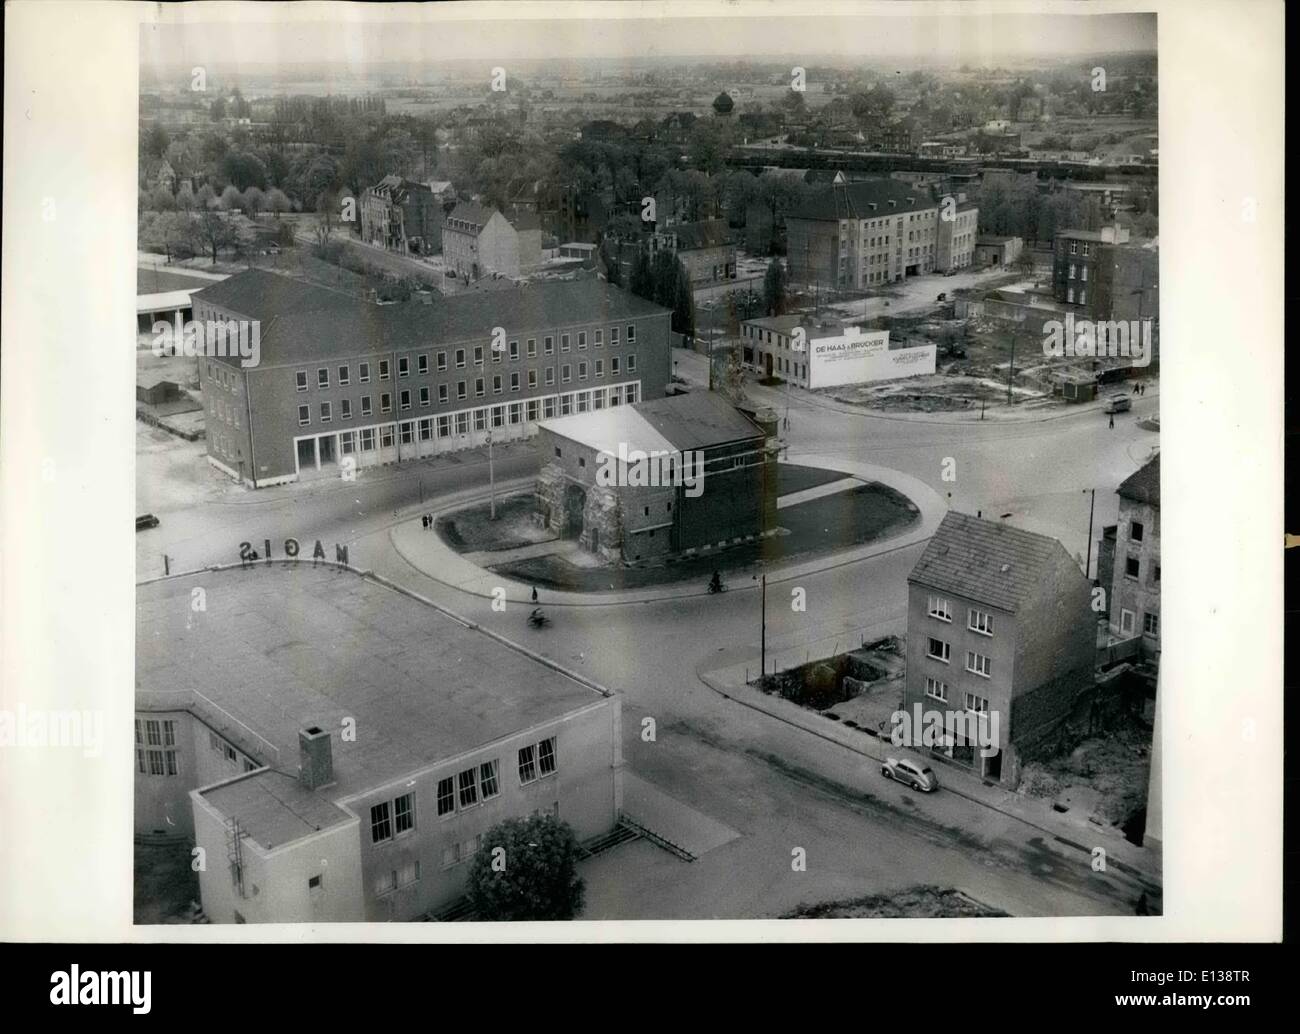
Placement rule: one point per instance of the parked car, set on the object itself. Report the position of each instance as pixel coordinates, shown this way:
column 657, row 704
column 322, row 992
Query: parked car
column 1118, row 403
column 911, row 773
column 146, row 521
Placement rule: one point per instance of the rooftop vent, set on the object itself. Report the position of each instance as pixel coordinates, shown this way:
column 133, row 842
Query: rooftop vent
column 315, row 758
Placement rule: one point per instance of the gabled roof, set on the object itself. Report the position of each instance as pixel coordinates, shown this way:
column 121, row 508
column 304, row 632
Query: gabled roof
column 866, row 199
column 711, row 233
column 989, row 561
column 1143, row 485
column 473, row 213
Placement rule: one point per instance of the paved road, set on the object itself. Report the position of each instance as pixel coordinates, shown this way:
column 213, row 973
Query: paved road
column 781, row 787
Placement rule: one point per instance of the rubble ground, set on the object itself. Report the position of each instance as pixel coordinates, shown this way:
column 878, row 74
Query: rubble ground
column 1113, row 767
column 924, row 902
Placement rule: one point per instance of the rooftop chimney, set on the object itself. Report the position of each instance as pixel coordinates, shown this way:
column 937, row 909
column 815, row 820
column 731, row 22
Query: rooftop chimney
column 315, row 758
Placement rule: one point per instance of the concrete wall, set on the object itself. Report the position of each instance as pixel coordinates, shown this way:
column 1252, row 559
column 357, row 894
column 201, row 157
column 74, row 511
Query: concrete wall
column 735, row 499
column 276, row 888
column 587, row 786
column 498, row 248
column 1141, row 595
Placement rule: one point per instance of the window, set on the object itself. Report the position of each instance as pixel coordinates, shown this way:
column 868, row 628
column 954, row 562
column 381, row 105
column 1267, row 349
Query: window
column 514, row 351
column 363, row 373
column 1151, row 624
column 496, row 384
column 385, row 883
column 582, row 339
column 978, row 704
column 468, row 788
column 631, row 333
column 478, row 355
column 383, row 369
column 979, row 621
column 582, row 371
column 381, row 826
column 442, row 394
column 462, row 423
column 480, row 388
column 365, row 405
column 613, row 365
column 460, row 358
column 313, row 883
column 348, row 443
column 599, row 338
column 498, row 416
column 403, row 366
column 442, row 360
column 325, row 413
column 566, row 374
column 1135, row 531
column 386, row 436
column 385, row 403
column 1156, row 576
column 600, row 367
column 404, row 398
column 424, row 395
column 368, row 439
column 613, row 336
column 527, row 764
column 550, row 375
column 408, row 873
column 516, row 412
column 345, row 409
column 1126, row 622
column 532, row 348
column 404, row 814
column 304, row 415
column 446, row 796
column 548, row 345
column 514, row 382
column 978, row 664
column 546, row 756
column 548, row 407
column 422, row 364
column 1131, row 566
column 532, row 409
column 408, row 432
column 498, row 353
column 936, row 690
column 937, row 649
column 631, row 366
column 938, row 607
column 564, row 342
column 480, row 419
column 489, row 784
column 532, row 379
column 300, row 380
column 444, row 426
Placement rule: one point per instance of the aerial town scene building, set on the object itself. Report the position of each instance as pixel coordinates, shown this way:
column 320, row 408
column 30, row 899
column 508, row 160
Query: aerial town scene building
column 578, row 491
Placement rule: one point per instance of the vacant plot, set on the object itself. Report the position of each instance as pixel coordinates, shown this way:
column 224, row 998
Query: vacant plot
column 914, row 903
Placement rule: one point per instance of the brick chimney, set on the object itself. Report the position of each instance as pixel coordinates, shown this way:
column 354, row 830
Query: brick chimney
column 315, row 758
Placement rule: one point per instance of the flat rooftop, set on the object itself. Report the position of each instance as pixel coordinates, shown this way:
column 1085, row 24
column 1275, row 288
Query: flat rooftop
column 281, row 647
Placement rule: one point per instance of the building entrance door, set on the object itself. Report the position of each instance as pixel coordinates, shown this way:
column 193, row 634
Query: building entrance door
column 326, row 445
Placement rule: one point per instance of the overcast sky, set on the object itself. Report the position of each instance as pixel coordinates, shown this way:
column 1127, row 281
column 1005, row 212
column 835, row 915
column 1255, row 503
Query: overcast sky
column 500, row 35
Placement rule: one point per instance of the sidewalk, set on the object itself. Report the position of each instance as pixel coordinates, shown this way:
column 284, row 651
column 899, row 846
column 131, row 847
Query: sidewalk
column 730, row 682
column 425, row 551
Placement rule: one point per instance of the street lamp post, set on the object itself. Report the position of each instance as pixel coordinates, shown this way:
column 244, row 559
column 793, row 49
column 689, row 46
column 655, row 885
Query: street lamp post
column 492, row 481
column 1091, row 507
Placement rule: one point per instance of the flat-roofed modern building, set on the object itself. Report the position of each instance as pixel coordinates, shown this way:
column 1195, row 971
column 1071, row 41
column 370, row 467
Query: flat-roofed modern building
column 669, row 476
column 337, row 748
column 345, row 381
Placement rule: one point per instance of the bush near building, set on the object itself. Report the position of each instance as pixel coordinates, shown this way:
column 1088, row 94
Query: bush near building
column 527, row 870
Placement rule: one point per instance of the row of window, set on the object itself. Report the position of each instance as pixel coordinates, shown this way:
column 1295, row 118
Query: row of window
column 405, row 400
column 388, row 881
column 155, row 747
column 976, row 663
column 343, row 372
column 1133, row 568
column 937, row 689
column 1150, row 623
column 980, row 621
column 460, row 792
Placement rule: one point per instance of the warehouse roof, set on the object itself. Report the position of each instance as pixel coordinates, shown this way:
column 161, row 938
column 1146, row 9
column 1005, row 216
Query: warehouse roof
column 280, row 648
column 303, row 322
column 989, row 561
column 697, row 420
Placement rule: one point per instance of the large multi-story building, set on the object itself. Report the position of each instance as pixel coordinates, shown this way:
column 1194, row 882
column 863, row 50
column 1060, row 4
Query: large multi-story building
column 336, row 749
column 1104, row 276
column 479, row 242
column 998, row 624
column 343, row 382
column 955, row 241
column 667, row 476
column 858, row 235
column 401, row 215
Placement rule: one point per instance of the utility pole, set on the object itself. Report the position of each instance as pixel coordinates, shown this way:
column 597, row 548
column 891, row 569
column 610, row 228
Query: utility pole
column 492, row 481
column 763, row 647
column 1011, row 372
column 1091, row 507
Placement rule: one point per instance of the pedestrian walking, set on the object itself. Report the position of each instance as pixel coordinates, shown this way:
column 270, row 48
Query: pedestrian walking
column 534, row 593
column 1112, row 421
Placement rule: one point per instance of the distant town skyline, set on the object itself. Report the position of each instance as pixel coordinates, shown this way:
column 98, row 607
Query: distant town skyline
column 917, row 39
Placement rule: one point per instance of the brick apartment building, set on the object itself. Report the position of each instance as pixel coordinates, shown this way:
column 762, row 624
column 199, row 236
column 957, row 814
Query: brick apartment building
column 1105, row 276
column 998, row 622
column 872, row 232
column 479, row 241
column 736, row 467
column 401, row 215
column 349, row 772
column 348, row 381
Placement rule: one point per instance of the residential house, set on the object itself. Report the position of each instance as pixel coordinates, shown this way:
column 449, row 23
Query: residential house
column 1134, row 588
column 999, row 633
column 401, row 215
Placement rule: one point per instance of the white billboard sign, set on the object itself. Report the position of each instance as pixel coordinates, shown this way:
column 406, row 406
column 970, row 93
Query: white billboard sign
column 857, row 357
